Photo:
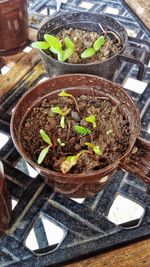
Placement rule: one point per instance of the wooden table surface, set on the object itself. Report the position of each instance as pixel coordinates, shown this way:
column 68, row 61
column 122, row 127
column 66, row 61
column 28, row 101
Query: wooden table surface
column 134, row 255
column 142, row 9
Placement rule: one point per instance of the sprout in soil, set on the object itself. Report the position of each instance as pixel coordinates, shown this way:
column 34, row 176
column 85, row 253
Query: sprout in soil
column 60, row 142
column 64, row 94
column 55, row 46
column 61, row 112
column 96, row 47
column 109, row 131
column 71, row 161
column 92, row 119
column 82, row 130
column 96, row 149
column 45, row 150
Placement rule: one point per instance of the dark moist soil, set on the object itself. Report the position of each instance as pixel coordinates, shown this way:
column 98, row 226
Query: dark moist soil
column 85, row 39
column 111, row 134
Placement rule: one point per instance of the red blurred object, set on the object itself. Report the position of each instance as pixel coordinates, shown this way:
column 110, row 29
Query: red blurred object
column 13, row 26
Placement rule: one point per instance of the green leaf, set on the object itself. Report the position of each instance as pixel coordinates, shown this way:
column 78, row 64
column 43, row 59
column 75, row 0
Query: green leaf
column 92, row 119
column 54, row 51
column 72, row 158
column 97, row 150
column 64, row 55
column 98, row 43
column 89, row 144
column 40, row 45
column 69, row 43
column 67, row 53
column 63, row 93
column 82, row 130
column 60, row 142
column 88, row 53
column 57, row 110
column 53, row 42
column 61, row 56
column 45, row 137
column 42, row 155
column 62, row 122
column 109, row 131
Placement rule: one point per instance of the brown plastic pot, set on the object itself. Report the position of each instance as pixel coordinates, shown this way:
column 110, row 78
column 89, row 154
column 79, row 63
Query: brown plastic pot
column 90, row 22
column 84, row 184
column 13, row 26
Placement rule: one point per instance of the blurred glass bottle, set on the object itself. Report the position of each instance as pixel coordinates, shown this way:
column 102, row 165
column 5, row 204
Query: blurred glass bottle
column 13, row 26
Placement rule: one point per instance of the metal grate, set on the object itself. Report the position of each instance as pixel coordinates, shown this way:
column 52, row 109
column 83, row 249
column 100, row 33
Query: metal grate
column 82, row 225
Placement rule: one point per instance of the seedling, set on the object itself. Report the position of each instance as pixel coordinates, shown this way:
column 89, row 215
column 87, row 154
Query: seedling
column 64, row 94
column 92, row 119
column 45, row 150
column 55, row 46
column 96, row 47
column 71, row 161
column 82, row 130
column 61, row 112
column 60, row 142
column 109, row 131
column 40, row 45
column 96, row 149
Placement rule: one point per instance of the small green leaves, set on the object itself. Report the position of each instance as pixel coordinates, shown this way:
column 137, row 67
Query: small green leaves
column 109, row 131
column 96, row 149
column 45, row 137
column 96, row 46
column 82, row 130
column 54, row 43
column 69, row 43
column 43, row 154
column 45, row 150
column 57, row 110
column 92, row 119
column 40, row 45
column 88, row 53
column 63, row 113
column 60, row 142
column 63, row 93
column 64, row 55
column 99, row 43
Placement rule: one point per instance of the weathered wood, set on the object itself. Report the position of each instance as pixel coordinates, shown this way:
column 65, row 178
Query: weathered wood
column 142, row 9
column 135, row 255
column 18, row 71
column 37, row 71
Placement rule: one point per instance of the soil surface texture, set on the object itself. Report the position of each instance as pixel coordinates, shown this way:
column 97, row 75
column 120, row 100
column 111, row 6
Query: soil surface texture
column 111, row 133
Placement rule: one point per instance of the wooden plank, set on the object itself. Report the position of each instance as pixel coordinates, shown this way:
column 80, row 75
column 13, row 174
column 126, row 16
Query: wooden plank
column 37, row 71
column 18, row 71
column 142, row 9
column 135, row 255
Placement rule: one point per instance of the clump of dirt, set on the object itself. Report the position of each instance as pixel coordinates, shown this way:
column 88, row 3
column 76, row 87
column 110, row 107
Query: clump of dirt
column 85, row 39
column 111, row 133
